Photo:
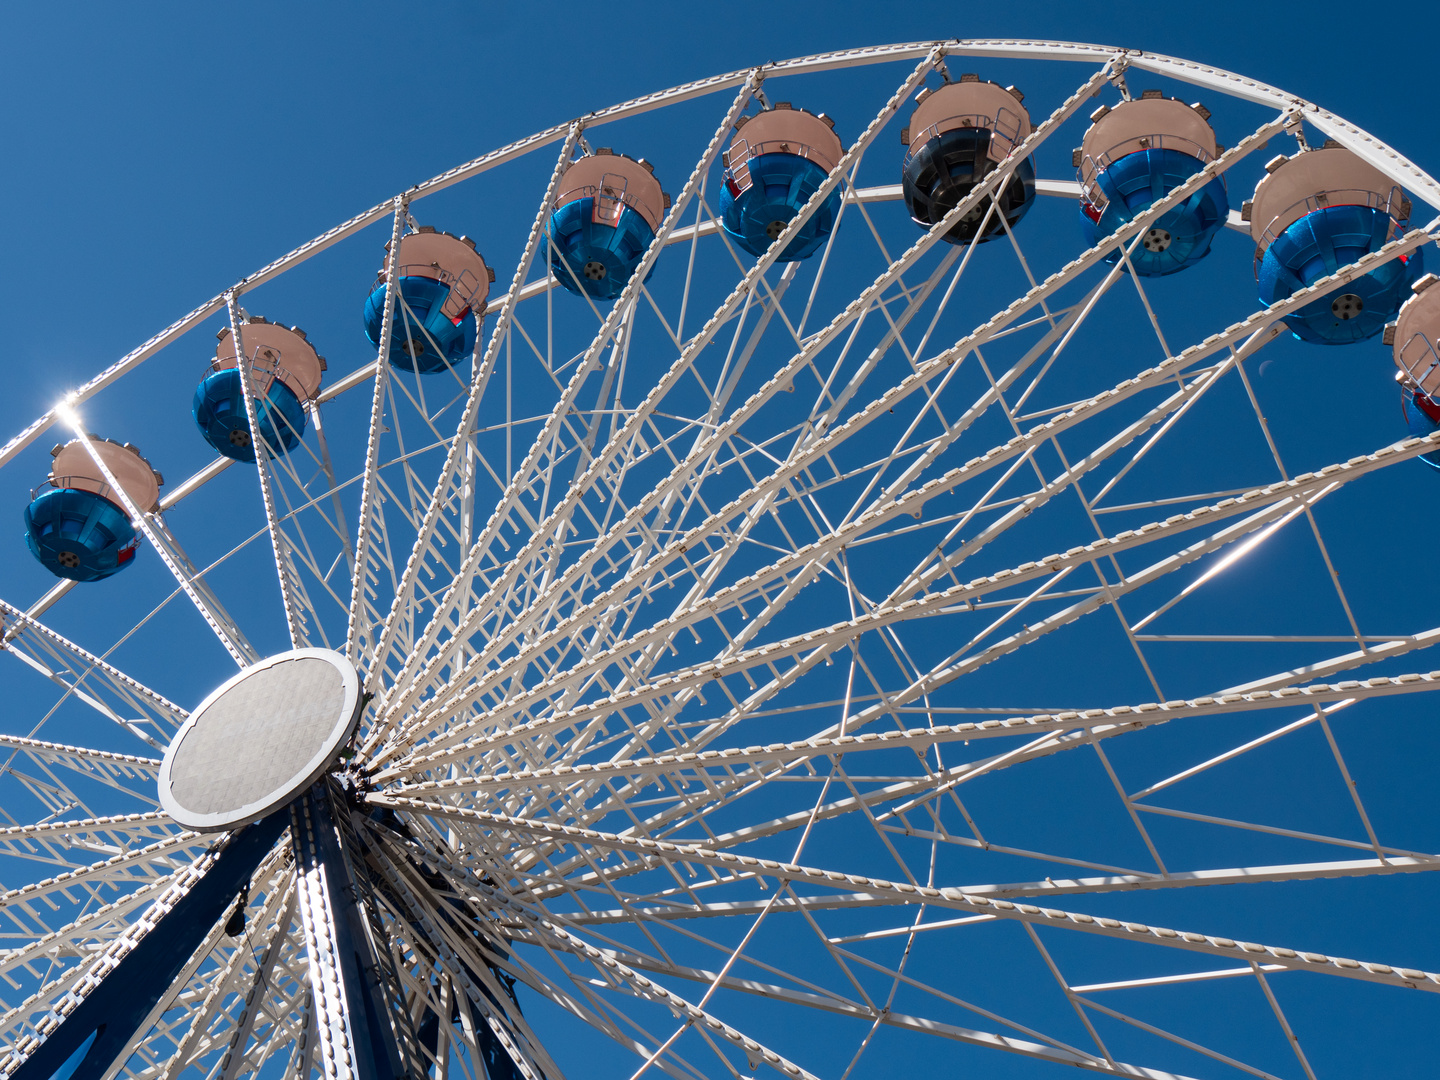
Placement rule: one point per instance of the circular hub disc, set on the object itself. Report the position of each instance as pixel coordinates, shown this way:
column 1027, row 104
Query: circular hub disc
column 260, row 739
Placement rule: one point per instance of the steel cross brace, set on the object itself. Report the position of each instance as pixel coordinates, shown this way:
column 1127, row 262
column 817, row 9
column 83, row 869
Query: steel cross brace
column 103, row 1016
column 442, row 925
column 361, row 1022
column 359, row 1019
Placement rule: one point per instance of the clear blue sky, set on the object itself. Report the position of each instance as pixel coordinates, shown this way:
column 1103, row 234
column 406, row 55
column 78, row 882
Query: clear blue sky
column 162, row 151
column 154, row 153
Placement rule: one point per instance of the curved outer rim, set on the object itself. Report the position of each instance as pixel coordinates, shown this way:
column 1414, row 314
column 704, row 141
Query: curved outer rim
column 303, row 777
column 1401, row 170
column 1257, row 92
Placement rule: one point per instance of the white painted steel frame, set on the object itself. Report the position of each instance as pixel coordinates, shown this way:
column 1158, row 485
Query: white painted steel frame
column 498, row 688
column 1389, row 161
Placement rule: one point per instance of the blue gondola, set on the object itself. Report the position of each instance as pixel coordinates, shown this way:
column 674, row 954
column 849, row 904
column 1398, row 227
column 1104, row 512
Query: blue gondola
column 604, row 220
column 423, row 339
column 443, row 284
column 219, row 412
column 778, row 159
column 76, row 524
column 1320, row 244
column 1182, row 235
column 285, row 373
column 589, row 256
column 1312, row 215
column 79, row 535
column 1134, row 155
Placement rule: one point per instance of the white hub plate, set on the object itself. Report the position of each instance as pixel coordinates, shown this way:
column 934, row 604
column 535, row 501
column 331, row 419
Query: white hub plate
column 260, row 739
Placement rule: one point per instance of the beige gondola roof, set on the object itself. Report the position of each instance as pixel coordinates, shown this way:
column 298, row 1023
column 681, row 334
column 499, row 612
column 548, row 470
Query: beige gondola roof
column 454, row 255
column 1417, row 330
column 72, row 466
column 951, row 106
column 618, row 174
column 1131, row 125
column 271, row 343
column 1280, row 198
column 785, row 126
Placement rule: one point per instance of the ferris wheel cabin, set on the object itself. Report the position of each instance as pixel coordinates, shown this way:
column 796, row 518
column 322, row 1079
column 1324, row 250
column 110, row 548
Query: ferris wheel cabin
column 285, row 374
column 957, row 135
column 1316, row 212
column 776, row 161
column 77, row 524
column 443, row 285
column 606, row 216
column 1413, row 337
column 1134, row 155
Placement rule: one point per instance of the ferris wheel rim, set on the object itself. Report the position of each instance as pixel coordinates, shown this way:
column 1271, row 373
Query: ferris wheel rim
column 1401, row 169
column 727, row 859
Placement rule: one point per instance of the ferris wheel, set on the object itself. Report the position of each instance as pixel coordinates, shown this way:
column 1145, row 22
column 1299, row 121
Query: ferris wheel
column 833, row 597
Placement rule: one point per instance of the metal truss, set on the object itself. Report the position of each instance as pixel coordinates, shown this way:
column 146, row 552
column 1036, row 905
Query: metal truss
column 711, row 633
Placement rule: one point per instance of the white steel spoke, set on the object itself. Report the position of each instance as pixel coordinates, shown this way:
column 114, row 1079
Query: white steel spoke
column 217, row 621
column 1004, row 909
column 722, row 641
column 358, row 632
column 279, row 546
